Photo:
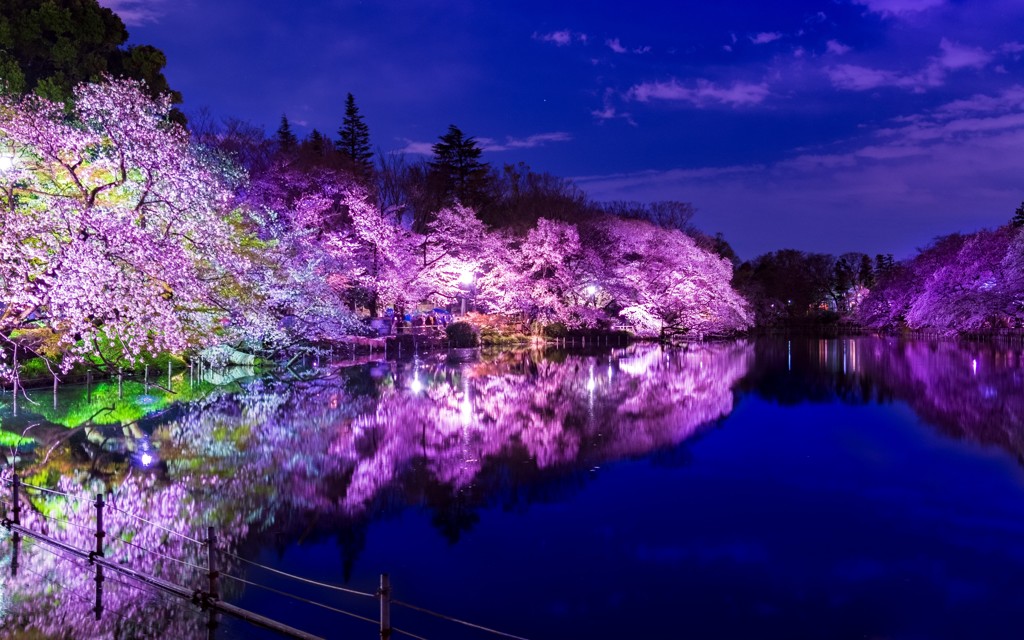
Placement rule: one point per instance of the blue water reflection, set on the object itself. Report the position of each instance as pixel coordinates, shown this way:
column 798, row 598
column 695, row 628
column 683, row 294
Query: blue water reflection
column 771, row 489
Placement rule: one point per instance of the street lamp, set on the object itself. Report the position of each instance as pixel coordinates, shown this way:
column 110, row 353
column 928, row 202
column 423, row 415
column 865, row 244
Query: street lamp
column 466, row 280
column 591, row 292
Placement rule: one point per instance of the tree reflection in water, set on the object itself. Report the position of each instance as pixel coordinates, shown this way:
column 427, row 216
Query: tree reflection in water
column 285, row 460
column 968, row 390
column 342, row 449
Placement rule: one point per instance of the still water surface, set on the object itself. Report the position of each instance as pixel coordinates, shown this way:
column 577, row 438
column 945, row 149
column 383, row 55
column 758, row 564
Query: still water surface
column 857, row 488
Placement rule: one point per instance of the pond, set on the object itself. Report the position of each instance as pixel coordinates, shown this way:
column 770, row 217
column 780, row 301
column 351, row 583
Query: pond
column 850, row 488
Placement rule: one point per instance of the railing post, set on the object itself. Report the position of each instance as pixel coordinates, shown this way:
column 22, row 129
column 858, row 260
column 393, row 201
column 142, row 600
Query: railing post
column 16, row 519
column 98, row 553
column 211, row 562
column 214, row 575
column 384, row 593
column 16, row 497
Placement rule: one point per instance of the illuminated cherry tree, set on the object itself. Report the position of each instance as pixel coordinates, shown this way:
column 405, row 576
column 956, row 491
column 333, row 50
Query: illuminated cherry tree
column 113, row 233
column 959, row 283
column 667, row 285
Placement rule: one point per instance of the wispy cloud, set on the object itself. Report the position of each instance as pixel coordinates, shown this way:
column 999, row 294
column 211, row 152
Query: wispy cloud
column 615, row 45
column 899, row 7
column 702, row 94
column 609, row 111
column 561, row 38
column 766, row 37
column 529, row 142
column 136, row 12
column 413, row 147
column 955, row 168
column 952, row 57
column 836, row 47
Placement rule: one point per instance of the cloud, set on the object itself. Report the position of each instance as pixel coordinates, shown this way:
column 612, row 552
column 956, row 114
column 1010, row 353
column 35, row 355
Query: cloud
column 561, row 38
column 529, row 142
column 615, row 45
column 836, row 47
column 416, row 148
column 765, row 37
column 609, row 111
column 136, row 12
column 413, row 147
column 955, row 168
column 952, row 57
column 642, row 50
column 888, row 8
column 955, row 56
column 704, row 93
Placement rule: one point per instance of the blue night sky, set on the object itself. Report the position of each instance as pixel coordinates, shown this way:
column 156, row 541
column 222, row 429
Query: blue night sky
column 837, row 125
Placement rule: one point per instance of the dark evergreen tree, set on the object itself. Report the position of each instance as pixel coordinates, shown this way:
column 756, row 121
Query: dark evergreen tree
column 1018, row 217
column 457, row 170
column 865, row 274
column 354, row 140
column 316, row 146
column 50, row 47
column 286, row 140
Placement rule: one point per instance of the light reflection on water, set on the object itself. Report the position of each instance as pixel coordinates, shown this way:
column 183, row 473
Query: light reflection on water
column 288, row 463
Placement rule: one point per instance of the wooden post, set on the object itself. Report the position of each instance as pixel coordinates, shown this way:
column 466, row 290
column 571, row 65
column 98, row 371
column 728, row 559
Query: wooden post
column 88, row 387
column 120, row 390
column 145, row 379
column 55, row 391
column 214, row 575
column 168, row 375
column 211, row 562
column 98, row 553
column 385, row 606
column 16, row 498
column 17, row 377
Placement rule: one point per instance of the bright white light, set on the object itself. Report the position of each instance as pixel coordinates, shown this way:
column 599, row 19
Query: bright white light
column 416, row 386
column 974, row 367
column 466, row 278
column 146, row 459
column 591, row 383
column 6, row 162
column 591, row 290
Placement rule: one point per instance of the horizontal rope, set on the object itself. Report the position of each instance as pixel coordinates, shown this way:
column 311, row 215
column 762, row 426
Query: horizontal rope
column 325, row 585
column 300, row 598
column 158, row 526
column 161, row 555
column 399, row 603
column 182, row 604
column 73, row 524
column 406, row 633
column 53, row 491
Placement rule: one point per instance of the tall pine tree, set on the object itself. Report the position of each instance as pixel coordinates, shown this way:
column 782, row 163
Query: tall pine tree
column 286, row 140
column 457, row 169
column 354, row 139
column 1018, row 217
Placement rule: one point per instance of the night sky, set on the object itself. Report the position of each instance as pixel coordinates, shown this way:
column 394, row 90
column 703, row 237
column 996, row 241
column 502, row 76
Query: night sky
column 833, row 126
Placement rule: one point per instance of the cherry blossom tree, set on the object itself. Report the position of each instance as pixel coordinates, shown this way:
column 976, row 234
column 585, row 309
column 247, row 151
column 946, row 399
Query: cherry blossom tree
column 115, row 235
column 666, row 285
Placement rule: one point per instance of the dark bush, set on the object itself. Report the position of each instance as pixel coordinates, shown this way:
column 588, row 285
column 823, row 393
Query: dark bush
column 555, row 330
column 462, row 335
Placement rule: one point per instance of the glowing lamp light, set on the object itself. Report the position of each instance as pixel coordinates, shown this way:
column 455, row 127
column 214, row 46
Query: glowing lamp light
column 591, row 290
column 466, row 278
column 6, row 162
column 146, row 459
column 416, row 385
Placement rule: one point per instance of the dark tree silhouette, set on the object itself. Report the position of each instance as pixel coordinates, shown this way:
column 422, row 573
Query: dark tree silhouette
column 354, row 140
